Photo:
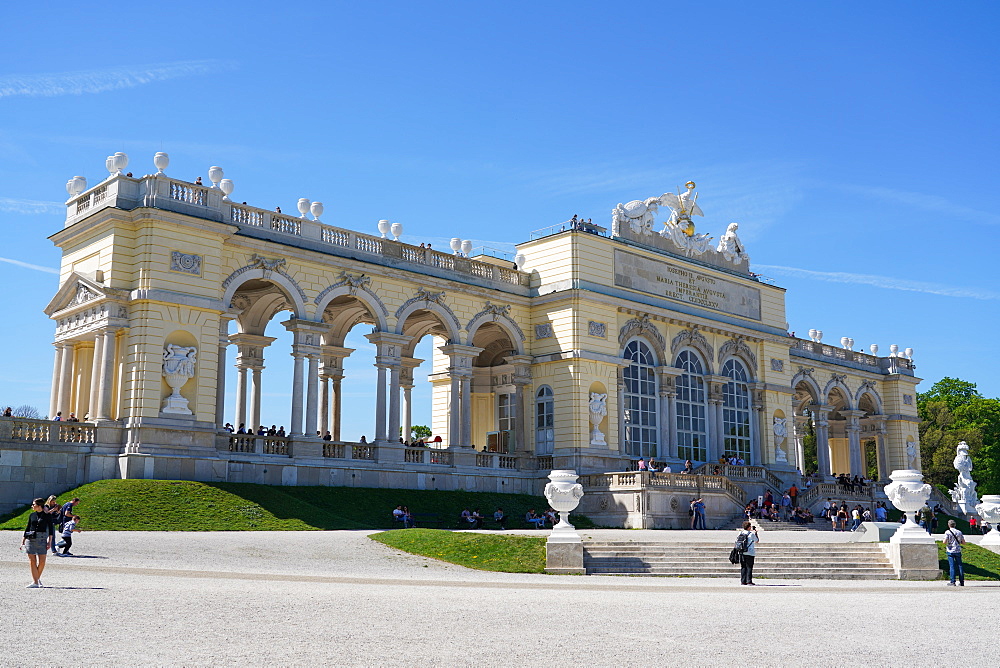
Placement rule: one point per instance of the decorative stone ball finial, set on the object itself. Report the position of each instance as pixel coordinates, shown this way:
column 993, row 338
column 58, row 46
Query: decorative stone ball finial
column 226, row 186
column 909, row 354
column 316, row 208
column 466, row 247
column 812, row 334
column 893, row 350
column 383, row 227
column 397, row 230
column 819, row 336
column 161, row 160
column 874, row 348
column 850, row 343
column 109, row 164
column 215, row 175
column 456, row 245
column 303, row 206
column 908, row 492
column 519, row 261
column 843, row 341
column 563, row 494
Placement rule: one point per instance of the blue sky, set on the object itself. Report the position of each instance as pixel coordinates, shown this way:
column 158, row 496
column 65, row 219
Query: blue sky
column 855, row 144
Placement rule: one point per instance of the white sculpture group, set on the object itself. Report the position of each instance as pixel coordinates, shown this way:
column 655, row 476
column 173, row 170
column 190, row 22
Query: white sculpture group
column 639, row 215
column 964, row 492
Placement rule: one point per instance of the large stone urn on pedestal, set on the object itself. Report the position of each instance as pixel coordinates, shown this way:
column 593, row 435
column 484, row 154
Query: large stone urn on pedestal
column 989, row 510
column 911, row 549
column 564, row 548
column 178, row 368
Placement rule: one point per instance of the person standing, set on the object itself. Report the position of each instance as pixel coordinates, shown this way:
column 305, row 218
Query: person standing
column 699, row 514
column 786, row 506
column 793, row 494
column 36, row 538
column 749, row 554
column 926, row 515
column 953, row 542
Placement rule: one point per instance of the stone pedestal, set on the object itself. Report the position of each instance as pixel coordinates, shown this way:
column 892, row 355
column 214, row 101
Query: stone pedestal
column 913, row 561
column 564, row 558
column 874, row 532
column 306, row 447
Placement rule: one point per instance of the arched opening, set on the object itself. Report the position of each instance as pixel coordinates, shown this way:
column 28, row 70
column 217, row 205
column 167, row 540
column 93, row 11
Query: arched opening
column 840, row 453
column 498, row 411
column 736, row 423
column 640, row 401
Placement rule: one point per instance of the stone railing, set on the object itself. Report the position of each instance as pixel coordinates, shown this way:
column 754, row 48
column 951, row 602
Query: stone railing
column 46, row 431
column 753, row 473
column 493, row 460
column 442, row 457
column 260, row 445
column 692, row 484
column 544, row 462
column 859, row 359
column 161, row 192
column 824, row 490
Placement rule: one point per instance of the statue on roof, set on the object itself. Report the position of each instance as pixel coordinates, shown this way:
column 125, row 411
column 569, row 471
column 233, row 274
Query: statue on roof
column 637, row 214
column 731, row 247
column 679, row 227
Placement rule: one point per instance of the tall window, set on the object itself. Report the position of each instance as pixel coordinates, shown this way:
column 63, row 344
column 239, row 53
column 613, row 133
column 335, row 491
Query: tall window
column 640, row 401
column 736, row 411
column 544, row 421
column 692, row 435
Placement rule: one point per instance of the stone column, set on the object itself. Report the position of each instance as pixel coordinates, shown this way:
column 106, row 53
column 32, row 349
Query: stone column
column 220, row 374
column 622, row 445
column 407, row 412
column 880, row 446
column 108, row 361
column 312, row 398
column 798, row 434
column 521, row 378
column 667, row 414
column 822, row 427
column 757, row 428
column 460, row 372
column 256, row 391
column 324, row 404
column 297, row 382
column 380, row 403
column 394, row 434
column 65, row 379
column 853, row 428
column 56, row 376
column 95, row 375
column 241, row 396
column 467, row 410
column 716, row 437
column 335, row 432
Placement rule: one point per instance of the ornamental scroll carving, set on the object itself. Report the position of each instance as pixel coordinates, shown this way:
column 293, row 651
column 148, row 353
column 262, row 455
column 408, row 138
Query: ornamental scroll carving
column 739, row 348
column 544, row 331
column 185, row 263
column 642, row 326
column 83, row 294
column 691, row 337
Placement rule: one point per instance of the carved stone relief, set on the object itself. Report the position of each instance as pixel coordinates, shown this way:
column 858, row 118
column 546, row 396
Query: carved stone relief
column 598, row 329
column 777, row 365
column 544, row 331
column 185, row 263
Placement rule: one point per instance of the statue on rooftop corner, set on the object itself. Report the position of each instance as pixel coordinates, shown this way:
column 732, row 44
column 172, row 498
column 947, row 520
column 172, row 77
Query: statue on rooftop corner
column 964, row 492
column 637, row 214
column 731, row 247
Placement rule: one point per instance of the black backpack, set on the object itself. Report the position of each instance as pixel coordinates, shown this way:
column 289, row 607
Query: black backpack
column 742, row 543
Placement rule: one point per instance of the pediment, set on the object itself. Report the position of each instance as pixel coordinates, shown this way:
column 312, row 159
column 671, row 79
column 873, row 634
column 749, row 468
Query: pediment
column 79, row 290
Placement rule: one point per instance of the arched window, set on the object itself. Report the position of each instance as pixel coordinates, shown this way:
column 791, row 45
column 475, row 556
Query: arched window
column 544, row 421
column 692, row 434
column 736, row 411
column 640, row 401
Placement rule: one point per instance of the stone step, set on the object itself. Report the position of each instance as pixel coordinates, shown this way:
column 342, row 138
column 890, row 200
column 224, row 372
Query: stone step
column 790, row 563
column 782, row 575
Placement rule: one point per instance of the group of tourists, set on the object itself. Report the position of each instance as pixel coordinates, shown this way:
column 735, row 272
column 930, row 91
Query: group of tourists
column 855, row 485
column 261, row 430
column 47, row 523
column 845, row 518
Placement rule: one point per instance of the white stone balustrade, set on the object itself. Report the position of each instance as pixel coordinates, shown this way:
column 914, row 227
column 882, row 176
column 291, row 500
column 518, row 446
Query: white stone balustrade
column 161, row 192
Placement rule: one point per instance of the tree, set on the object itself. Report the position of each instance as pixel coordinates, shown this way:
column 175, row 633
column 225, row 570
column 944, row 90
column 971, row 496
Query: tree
column 27, row 411
column 420, row 431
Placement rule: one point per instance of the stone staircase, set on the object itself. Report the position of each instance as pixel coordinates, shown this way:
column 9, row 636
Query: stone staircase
column 830, row 561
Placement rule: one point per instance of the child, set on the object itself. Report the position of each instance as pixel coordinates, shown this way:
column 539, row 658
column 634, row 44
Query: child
column 67, row 535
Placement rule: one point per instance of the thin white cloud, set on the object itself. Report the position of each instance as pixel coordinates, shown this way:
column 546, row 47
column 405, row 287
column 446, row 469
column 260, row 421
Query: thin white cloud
column 925, row 201
column 886, row 282
column 30, row 206
column 28, row 265
column 100, row 81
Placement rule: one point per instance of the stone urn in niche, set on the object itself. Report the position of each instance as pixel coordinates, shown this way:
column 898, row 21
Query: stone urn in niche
column 989, row 510
column 598, row 410
column 908, row 492
column 563, row 493
column 178, row 368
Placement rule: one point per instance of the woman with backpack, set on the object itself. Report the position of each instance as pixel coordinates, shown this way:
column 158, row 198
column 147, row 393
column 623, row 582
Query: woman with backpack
column 746, row 543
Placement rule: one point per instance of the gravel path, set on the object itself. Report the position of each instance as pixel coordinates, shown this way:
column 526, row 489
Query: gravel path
column 339, row 598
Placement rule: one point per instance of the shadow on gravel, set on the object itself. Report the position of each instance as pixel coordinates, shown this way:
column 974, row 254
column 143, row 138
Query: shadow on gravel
column 82, row 556
column 80, row 588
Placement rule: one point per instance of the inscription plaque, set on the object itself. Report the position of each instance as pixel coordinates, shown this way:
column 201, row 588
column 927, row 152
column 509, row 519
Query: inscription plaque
column 685, row 285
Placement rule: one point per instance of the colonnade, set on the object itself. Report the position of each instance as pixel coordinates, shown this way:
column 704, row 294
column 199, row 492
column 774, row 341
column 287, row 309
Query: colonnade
column 94, row 396
column 852, row 428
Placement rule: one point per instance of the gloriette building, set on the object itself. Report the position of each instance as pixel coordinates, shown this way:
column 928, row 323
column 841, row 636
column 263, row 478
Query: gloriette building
column 595, row 347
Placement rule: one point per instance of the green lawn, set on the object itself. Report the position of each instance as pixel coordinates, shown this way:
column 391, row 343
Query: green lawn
column 977, row 562
column 175, row 505
column 487, row 552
